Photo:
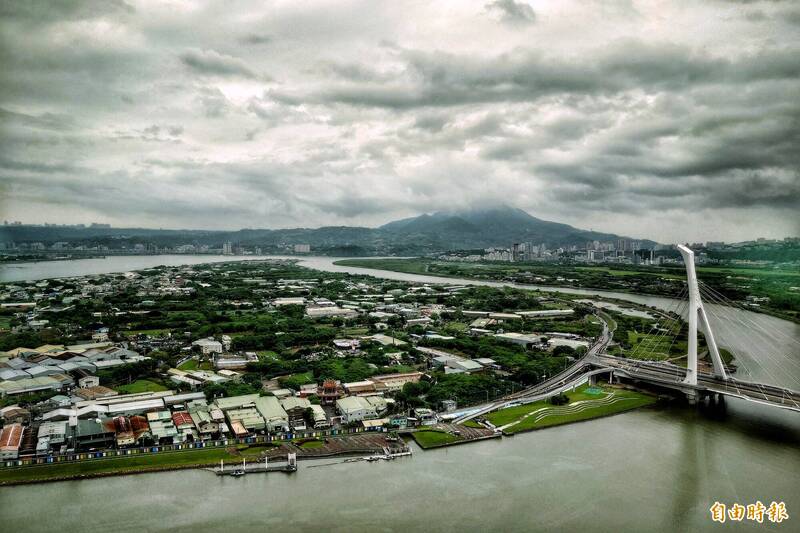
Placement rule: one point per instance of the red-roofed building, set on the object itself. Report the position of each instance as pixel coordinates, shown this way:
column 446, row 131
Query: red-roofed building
column 10, row 441
column 185, row 425
column 182, row 420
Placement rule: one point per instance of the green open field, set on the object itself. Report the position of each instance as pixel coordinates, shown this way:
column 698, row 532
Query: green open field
column 140, row 385
column 311, row 444
column 624, row 273
column 627, row 400
column 194, row 364
column 429, row 438
column 133, row 463
column 399, row 265
column 650, row 347
column 151, row 332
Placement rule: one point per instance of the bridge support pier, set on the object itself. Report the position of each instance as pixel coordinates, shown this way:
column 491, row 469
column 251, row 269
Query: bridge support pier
column 691, row 397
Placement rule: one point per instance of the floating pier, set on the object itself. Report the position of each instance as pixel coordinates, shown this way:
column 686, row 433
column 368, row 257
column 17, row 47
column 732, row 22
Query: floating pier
column 258, row 467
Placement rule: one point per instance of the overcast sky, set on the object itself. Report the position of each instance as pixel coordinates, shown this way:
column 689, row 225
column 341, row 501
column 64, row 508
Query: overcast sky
column 671, row 120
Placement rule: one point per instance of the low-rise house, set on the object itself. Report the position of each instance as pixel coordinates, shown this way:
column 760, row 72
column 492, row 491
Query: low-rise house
column 161, row 426
column 123, row 431
column 54, row 382
column 360, row 387
column 346, row 344
column 246, row 417
column 321, row 312
column 320, row 419
column 386, row 340
column 425, row 417
column 546, row 313
column 295, row 408
column 355, row 409
column 277, row 302
column 94, row 433
column 308, row 389
column 203, row 422
column 572, row 343
column 208, row 346
column 96, row 392
column 88, row 381
column 276, row 418
column 10, row 441
column 232, row 361
column 282, row 393
column 395, row 382
column 55, row 432
column 14, row 414
column 184, row 424
column 520, row 338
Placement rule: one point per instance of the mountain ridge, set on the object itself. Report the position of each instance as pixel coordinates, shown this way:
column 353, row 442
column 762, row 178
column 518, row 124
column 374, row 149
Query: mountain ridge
column 440, row 231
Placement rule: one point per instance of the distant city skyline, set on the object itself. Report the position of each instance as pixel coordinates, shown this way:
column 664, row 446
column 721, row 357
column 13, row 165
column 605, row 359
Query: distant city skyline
column 209, row 115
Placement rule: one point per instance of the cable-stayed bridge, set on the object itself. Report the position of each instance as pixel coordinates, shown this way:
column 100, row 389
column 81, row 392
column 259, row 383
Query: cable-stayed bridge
column 712, row 380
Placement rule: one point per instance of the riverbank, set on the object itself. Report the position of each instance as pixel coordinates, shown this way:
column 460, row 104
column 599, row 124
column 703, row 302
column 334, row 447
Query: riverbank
column 346, row 445
column 586, row 402
column 418, row 266
column 428, row 438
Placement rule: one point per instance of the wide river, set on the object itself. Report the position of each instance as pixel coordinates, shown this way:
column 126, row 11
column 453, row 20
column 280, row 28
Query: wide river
column 655, row 469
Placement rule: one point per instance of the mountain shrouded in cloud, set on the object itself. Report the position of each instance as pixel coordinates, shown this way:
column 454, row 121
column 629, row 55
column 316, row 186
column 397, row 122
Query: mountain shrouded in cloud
column 282, row 114
column 455, row 230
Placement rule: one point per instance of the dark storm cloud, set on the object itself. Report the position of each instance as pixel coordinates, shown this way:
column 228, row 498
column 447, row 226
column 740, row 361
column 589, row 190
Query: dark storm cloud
column 139, row 112
column 256, row 39
column 442, row 79
column 513, row 12
column 212, row 63
column 38, row 11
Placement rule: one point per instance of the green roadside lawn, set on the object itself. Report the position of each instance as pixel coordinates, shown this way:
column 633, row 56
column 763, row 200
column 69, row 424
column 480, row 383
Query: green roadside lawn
column 140, row 385
column 135, row 463
column 627, row 400
column 429, row 438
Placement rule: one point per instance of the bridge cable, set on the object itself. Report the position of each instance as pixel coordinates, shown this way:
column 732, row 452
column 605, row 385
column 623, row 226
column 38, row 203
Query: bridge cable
column 740, row 359
column 777, row 357
column 675, row 303
column 736, row 305
column 768, row 336
column 673, row 318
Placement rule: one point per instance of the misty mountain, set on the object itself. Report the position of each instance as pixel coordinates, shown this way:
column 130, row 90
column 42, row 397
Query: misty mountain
column 498, row 226
column 442, row 231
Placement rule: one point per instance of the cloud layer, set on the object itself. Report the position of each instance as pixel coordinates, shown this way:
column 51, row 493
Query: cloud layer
column 673, row 122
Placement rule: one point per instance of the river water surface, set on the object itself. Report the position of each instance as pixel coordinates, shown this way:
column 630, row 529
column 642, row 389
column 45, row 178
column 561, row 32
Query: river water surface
column 655, row 469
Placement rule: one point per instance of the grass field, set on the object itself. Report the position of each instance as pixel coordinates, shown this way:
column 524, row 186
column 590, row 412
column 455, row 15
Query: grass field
column 151, row 332
column 399, row 265
column 649, row 347
column 134, row 463
column 429, row 438
column 140, row 385
column 628, row 400
column 190, row 364
column 311, row 444
column 518, row 414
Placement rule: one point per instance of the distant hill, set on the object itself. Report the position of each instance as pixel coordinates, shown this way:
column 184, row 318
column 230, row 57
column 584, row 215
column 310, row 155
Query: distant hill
column 478, row 228
column 500, row 226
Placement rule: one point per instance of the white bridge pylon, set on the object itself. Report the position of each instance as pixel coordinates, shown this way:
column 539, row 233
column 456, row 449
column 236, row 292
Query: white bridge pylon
column 697, row 312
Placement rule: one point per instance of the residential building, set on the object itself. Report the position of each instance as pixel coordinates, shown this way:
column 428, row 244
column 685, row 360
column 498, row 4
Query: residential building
column 295, row 408
column 10, row 441
column 355, row 409
column 208, row 346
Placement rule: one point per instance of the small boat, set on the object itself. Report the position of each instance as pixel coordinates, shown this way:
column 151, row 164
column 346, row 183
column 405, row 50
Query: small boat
column 238, row 472
column 373, row 458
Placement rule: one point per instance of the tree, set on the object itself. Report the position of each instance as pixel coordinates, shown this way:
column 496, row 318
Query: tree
column 559, row 399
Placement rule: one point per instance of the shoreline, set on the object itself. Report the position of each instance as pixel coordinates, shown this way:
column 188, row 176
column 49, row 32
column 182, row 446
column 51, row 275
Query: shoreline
column 156, row 468
column 546, row 287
